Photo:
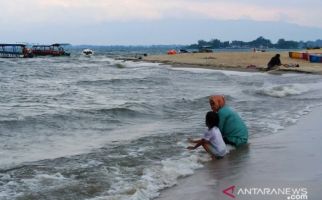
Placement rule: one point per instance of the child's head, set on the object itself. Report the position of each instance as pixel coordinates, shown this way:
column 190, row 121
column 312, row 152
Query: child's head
column 212, row 119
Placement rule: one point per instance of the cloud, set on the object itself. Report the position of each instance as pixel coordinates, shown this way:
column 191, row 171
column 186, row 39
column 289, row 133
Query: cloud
column 157, row 21
column 105, row 10
column 96, row 11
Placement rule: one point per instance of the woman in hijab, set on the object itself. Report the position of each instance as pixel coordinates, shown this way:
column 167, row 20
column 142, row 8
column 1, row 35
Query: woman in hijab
column 275, row 61
column 232, row 127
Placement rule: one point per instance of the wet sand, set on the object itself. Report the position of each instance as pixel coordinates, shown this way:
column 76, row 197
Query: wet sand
column 291, row 158
column 240, row 61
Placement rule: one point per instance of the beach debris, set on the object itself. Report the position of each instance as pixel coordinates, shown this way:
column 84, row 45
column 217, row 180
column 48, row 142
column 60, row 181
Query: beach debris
column 291, row 65
column 251, row 66
column 209, row 57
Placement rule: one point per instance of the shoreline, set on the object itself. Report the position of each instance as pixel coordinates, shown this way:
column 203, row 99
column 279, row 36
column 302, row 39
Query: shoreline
column 236, row 61
column 290, row 158
column 238, row 69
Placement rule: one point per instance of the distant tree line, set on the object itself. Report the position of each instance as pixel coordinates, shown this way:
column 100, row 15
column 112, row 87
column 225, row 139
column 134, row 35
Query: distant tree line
column 260, row 42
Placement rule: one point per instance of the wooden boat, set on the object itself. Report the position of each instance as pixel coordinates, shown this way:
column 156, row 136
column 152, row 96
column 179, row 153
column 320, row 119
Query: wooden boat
column 316, row 58
column 15, row 51
column 50, row 50
column 299, row 55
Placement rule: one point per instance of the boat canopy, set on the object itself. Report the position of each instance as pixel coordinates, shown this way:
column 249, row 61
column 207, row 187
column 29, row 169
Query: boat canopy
column 13, row 45
column 14, row 51
column 60, row 44
column 51, row 45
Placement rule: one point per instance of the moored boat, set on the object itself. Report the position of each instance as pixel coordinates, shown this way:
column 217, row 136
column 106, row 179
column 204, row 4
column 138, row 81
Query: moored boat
column 316, row 58
column 15, row 51
column 299, row 55
column 50, row 50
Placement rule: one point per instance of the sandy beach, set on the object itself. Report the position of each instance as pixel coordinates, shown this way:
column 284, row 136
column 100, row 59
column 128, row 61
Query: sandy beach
column 238, row 61
column 290, row 158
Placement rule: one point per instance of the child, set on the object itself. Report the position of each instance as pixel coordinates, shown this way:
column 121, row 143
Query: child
column 212, row 140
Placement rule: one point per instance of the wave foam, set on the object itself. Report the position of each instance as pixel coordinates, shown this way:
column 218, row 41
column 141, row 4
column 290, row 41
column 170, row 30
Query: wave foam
column 158, row 177
column 284, row 90
column 154, row 179
column 9, row 185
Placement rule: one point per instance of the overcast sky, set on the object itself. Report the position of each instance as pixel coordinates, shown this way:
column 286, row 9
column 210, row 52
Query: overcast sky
column 133, row 22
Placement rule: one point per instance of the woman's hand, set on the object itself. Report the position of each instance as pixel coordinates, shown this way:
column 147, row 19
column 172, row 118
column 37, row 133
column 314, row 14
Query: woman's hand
column 190, row 140
column 191, row 147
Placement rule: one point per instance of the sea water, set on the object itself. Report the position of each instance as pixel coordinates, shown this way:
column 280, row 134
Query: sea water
column 100, row 128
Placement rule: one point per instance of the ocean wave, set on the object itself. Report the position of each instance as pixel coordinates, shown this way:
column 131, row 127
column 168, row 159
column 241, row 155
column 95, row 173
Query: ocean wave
column 117, row 185
column 114, row 112
column 188, row 104
column 18, row 122
column 32, row 185
column 283, row 90
column 194, row 70
column 157, row 177
column 67, row 120
column 124, row 81
column 131, row 64
column 122, row 109
column 153, row 179
column 142, row 107
column 241, row 73
column 106, row 81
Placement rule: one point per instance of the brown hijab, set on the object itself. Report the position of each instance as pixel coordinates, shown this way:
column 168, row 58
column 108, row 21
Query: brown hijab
column 216, row 102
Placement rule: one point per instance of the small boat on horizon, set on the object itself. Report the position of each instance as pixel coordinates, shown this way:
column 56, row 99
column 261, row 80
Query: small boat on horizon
column 88, row 52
